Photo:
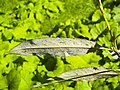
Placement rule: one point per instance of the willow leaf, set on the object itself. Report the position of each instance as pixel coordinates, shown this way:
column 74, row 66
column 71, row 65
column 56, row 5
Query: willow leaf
column 53, row 46
column 83, row 74
column 87, row 74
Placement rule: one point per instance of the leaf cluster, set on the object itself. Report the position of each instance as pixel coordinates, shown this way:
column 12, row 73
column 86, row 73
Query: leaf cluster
column 22, row 20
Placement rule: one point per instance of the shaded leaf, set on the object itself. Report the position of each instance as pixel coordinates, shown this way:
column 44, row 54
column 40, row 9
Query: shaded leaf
column 14, row 79
column 3, row 82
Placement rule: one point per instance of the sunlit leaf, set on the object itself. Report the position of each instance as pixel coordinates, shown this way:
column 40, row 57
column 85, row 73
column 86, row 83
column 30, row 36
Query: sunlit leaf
column 86, row 74
column 83, row 74
column 96, row 16
column 54, row 46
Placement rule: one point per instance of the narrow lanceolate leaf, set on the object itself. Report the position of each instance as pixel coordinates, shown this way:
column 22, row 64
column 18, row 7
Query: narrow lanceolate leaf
column 83, row 74
column 87, row 74
column 54, row 46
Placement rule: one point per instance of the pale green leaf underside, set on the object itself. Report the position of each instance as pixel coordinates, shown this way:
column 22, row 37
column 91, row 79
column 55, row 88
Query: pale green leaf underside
column 83, row 74
column 53, row 46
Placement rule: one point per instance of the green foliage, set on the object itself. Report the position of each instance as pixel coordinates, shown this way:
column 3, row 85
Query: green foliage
column 22, row 20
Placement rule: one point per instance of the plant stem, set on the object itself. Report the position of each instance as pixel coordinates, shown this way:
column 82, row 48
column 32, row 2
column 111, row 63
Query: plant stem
column 103, row 12
column 108, row 25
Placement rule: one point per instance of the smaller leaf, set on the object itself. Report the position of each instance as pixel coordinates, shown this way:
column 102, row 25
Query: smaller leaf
column 60, row 5
column 96, row 16
column 86, row 74
column 82, row 86
column 7, row 34
column 83, row 31
column 116, row 10
column 3, row 82
column 98, row 29
column 83, row 74
column 51, row 7
column 14, row 79
column 39, row 17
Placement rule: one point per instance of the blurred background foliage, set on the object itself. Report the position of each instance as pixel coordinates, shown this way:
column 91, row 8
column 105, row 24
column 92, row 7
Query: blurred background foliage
column 22, row 20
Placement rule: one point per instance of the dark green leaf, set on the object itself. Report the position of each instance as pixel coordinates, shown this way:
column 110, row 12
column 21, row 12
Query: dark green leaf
column 14, row 79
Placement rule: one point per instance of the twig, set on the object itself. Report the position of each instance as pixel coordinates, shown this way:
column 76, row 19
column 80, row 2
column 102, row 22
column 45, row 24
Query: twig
column 103, row 12
column 108, row 25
